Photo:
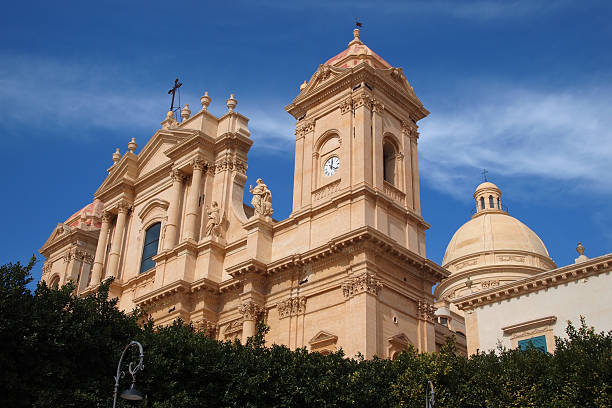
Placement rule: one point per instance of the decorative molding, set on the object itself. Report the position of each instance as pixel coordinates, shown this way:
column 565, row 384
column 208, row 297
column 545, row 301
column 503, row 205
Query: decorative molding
column 346, row 106
column 467, row 263
column 199, row 164
column 106, row 216
column 426, row 311
column 536, row 282
column 177, row 175
column 363, row 283
column 489, row 283
column 322, row 339
column 123, row 207
column 250, row 310
column 47, row 267
column 393, row 192
column 233, row 327
column 230, row 164
column 79, row 255
column 519, row 329
column 211, row 328
column 511, row 258
column 291, row 307
column 304, row 128
column 377, row 106
column 362, row 99
column 326, row 190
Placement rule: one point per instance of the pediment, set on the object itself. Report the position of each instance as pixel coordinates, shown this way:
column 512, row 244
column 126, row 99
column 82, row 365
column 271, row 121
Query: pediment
column 400, row 340
column 124, row 171
column 60, row 229
column 153, row 154
column 151, row 205
column 323, row 338
column 325, row 74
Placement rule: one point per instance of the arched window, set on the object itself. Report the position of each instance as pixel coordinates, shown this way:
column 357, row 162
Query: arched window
column 149, row 249
column 54, row 283
column 491, row 202
column 389, row 162
column 482, row 203
column 498, row 205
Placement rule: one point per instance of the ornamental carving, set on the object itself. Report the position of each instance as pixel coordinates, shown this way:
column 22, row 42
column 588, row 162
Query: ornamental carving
column 47, row 267
column 304, row 128
column 396, row 73
column 426, row 311
column 360, row 284
column 79, row 255
column 106, row 216
column 346, row 106
column 489, row 284
column 511, row 258
column 230, row 164
column 325, row 72
column 123, row 207
column 464, row 264
column 362, row 100
column 250, row 311
column 262, row 198
column 235, row 326
column 377, row 106
column 393, row 192
column 210, row 328
column 199, row 164
column 177, row 175
column 291, row 307
column 327, row 190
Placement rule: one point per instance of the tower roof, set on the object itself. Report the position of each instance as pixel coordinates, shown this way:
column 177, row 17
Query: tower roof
column 355, row 53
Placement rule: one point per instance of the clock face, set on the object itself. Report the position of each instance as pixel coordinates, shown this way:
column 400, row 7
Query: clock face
column 331, row 166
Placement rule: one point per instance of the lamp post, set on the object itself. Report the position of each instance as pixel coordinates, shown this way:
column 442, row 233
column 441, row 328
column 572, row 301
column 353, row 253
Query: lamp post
column 430, row 400
column 131, row 393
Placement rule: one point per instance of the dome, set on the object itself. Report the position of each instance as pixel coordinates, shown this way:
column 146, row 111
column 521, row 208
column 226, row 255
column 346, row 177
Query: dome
column 493, row 232
column 356, row 52
column 486, row 185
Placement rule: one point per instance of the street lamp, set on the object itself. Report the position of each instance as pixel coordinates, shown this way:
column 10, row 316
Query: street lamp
column 430, row 400
column 131, row 393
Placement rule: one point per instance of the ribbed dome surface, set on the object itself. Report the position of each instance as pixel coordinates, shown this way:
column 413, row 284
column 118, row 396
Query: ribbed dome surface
column 496, row 232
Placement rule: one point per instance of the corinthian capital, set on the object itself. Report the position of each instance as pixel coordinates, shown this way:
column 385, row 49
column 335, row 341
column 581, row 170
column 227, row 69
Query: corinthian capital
column 106, row 216
column 199, row 164
column 250, row 310
column 177, row 175
column 123, row 206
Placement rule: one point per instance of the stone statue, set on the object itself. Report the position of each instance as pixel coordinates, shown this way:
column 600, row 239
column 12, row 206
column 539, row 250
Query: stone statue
column 262, row 199
column 214, row 219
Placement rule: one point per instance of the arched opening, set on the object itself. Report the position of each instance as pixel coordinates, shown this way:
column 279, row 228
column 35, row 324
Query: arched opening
column 498, row 204
column 396, row 354
column 482, row 205
column 389, row 163
column 149, row 249
column 491, row 202
column 54, row 282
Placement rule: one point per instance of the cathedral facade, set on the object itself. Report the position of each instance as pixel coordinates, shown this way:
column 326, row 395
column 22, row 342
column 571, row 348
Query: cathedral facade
column 347, row 269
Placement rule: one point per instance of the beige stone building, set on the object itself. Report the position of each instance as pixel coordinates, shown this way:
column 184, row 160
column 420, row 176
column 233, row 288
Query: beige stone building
column 347, row 268
column 504, row 289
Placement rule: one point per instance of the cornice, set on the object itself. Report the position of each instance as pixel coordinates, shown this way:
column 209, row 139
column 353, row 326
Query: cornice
column 89, row 236
column 348, row 78
column 537, row 282
column 168, row 290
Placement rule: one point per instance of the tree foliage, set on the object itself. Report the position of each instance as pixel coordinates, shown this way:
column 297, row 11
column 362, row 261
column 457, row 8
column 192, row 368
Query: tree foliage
column 60, row 350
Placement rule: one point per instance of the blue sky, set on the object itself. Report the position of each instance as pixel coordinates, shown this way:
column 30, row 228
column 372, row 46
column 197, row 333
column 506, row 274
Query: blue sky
column 522, row 88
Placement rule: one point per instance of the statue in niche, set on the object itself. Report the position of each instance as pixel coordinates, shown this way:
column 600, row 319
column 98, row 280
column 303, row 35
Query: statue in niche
column 214, row 220
column 262, row 199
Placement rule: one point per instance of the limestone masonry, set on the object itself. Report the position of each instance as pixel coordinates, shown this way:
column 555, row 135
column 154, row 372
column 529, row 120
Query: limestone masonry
column 348, row 268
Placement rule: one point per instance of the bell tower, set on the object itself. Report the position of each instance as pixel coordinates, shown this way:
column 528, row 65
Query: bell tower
column 356, row 136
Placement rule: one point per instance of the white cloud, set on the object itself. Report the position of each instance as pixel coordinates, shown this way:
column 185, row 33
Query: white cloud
column 561, row 135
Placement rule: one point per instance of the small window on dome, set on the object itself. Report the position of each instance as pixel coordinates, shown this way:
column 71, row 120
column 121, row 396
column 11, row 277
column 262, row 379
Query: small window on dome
column 498, row 205
column 482, row 207
column 491, row 202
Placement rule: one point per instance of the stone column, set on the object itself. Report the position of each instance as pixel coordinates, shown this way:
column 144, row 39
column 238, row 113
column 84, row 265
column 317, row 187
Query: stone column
column 250, row 314
column 173, row 211
column 191, row 216
column 96, row 272
column 113, row 256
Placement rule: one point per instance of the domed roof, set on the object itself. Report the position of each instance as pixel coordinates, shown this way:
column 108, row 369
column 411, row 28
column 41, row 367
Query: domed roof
column 355, row 53
column 493, row 232
column 486, row 185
